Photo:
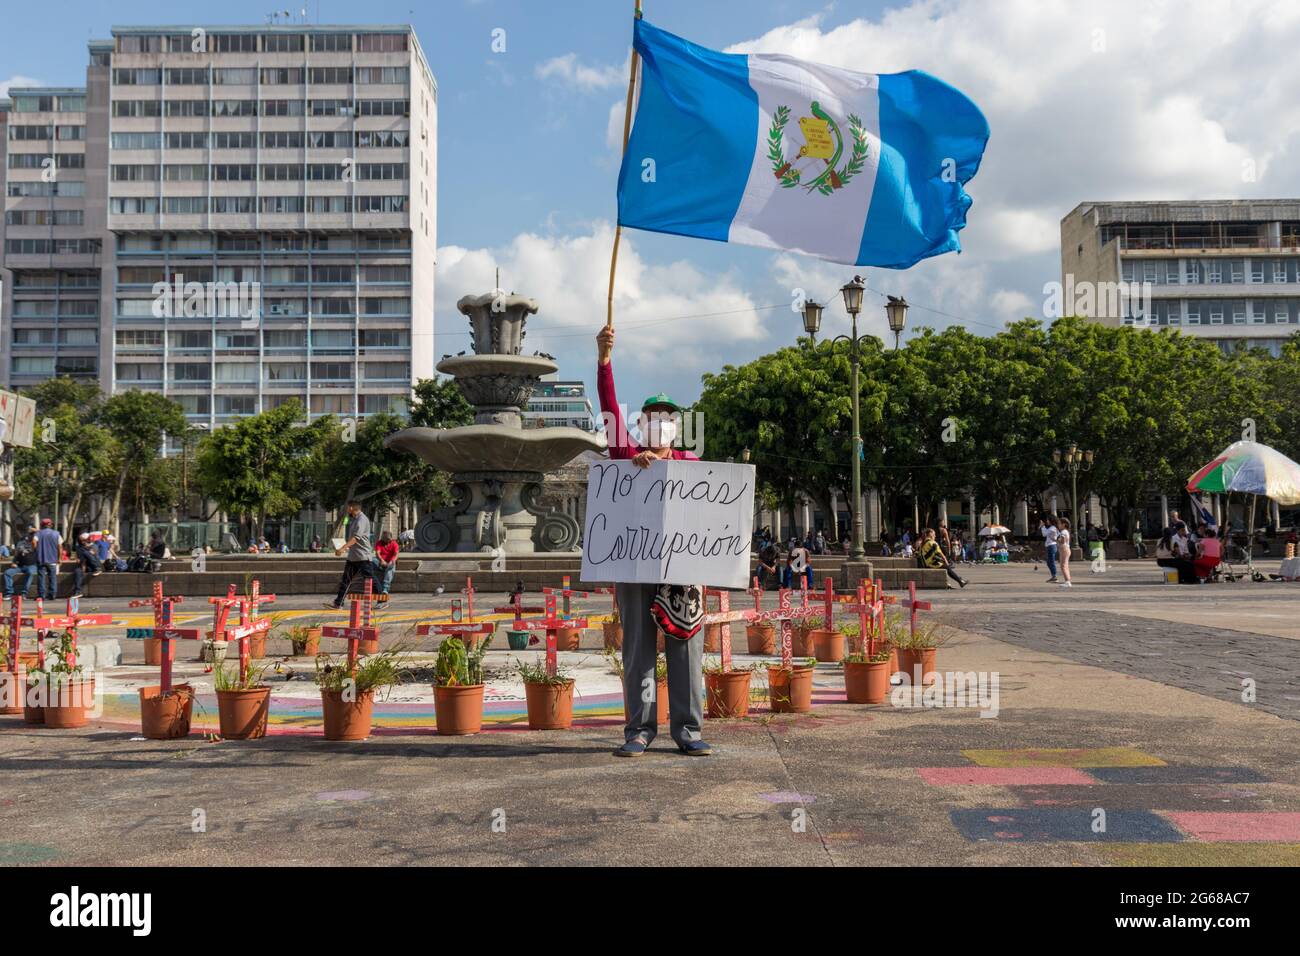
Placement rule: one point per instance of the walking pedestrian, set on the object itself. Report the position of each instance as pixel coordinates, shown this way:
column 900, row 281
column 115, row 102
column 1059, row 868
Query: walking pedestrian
column 386, row 552
column 677, row 610
column 87, row 563
column 360, row 554
column 1049, row 532
column 1063, row 550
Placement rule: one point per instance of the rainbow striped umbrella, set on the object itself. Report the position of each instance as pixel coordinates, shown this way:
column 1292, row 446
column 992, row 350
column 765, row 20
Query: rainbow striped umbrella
column 1253, row 469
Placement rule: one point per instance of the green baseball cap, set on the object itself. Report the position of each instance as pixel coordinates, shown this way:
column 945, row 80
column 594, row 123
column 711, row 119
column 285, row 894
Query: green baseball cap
column 660, row 401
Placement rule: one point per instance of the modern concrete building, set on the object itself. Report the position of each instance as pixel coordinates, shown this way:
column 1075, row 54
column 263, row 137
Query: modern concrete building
column 556, row 403
column 1227, row 270
column 238, row 216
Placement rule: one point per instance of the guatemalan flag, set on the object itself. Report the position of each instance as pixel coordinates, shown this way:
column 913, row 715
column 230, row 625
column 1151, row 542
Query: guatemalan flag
column 767, row 150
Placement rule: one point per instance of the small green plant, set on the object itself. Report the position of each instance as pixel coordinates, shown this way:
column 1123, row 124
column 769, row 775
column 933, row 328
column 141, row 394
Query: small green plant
column 813, row 622
column 299, row 634
column 535, row 673
column 58, row 658
column 928, row 635
column 714, row 666
column 458, row 666
column 372, row 672
column 230, row 678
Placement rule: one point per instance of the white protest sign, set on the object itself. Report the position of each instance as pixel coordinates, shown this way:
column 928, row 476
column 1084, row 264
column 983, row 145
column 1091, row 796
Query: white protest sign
column 676, row 522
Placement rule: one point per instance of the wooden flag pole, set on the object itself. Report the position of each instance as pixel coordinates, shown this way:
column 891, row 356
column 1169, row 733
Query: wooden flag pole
column 627, row 131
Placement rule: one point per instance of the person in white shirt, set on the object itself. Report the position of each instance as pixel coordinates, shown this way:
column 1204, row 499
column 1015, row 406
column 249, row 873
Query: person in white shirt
column 1049, row 533
column 1063, row 550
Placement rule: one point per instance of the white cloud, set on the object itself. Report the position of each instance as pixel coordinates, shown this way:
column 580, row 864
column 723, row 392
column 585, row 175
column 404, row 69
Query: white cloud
column 567, row 69
column 674, row 319
column 17, row 81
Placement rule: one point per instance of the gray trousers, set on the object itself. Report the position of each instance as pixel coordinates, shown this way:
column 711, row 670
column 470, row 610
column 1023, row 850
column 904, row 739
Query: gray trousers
column 685, row 670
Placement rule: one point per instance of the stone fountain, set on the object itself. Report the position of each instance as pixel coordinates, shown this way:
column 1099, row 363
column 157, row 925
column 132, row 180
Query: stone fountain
column 496, row 465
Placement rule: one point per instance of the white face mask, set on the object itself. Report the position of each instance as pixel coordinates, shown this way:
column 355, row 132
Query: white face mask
column 660, row 431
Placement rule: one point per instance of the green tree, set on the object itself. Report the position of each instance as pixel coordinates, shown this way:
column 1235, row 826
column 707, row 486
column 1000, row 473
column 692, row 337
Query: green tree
column 140, row 423
column 259, row 467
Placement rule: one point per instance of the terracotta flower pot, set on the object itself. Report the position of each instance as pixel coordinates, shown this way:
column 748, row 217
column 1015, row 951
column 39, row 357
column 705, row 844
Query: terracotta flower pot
column 34, row 702
column 893, row 661
column 910, row 659
column 866, row 683
column 70, row 703
column 257, row 645
column 713, row 638
column 458, row 710
column 166, row 718
column 661, row 704
column 801, row 643
column 727, row 693
column 347, row 719
column 550, row 706
column 153, row 650
column 309, row 646
column 761, row 638
column 242, row 713
column 827, row 646
column 613, row 635
column 12, row 686
column 29, row 660
column 368, row 647
column 790, row 692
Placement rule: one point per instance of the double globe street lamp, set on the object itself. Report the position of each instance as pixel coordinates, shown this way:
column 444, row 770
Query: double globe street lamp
column 1071, row 460
column 896, row 313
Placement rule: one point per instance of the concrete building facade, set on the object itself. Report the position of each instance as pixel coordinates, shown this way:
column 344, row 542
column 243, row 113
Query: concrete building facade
column 251, row 211
column 1226, row 270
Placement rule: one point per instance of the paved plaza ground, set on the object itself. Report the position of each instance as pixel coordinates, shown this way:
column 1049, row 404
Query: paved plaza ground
column 1120, row 738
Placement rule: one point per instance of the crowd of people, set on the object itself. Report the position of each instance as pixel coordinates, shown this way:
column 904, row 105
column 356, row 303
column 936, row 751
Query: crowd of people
column 1194, row 555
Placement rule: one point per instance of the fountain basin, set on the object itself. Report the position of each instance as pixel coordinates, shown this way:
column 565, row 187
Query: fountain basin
column 495, row 448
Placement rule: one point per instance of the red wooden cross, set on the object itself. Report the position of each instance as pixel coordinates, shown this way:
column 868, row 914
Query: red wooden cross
column 518, row 608
column 164, row 631
column 914, row 605
column 468, row 591
column 551, row 624
column 69, row 622
column 784, row 612
column 567, row 593
column 358, row 627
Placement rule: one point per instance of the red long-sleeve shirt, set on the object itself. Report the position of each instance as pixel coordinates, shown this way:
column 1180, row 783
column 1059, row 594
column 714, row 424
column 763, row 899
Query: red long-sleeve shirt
column 621, row 444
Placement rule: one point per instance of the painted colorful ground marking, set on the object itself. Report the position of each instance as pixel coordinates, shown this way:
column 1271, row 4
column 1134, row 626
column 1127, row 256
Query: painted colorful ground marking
column 18, row 854
column 1209, row 827
column 1038, row 825
column 1185, row 775
column 1003, row 776
column 1201, row 854
column 1149, row 796
column 1082, row 757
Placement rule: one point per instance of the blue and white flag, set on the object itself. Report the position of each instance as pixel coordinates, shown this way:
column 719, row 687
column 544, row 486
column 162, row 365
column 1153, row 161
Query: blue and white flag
column 771, row 151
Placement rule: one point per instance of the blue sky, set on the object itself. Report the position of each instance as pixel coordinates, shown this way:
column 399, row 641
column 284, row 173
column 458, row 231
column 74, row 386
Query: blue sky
column 1105, row 99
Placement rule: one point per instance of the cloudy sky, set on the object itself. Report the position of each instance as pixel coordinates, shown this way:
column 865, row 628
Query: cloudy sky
column 1087, row 100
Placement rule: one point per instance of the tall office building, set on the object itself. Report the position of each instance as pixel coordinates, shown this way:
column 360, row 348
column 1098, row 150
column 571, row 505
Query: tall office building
column 237, row 216
column 1226, row 270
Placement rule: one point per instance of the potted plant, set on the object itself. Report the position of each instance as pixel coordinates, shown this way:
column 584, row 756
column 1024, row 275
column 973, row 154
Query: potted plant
column 213, row 651
column 518, row 640
column 550, row 696
column 790, row 690
column 827, row 643
column 70, row 694
column 713, row 637
column 919, row 649
column 614, row 630
column 761, row 637
column 458, row 687
column 568, row 638
column 866, row 676
column 166, row 716
column 661, row 685
column 348, row 698
column 727, row 692
column 305, row 639
column 803, row 635
column 243, row 701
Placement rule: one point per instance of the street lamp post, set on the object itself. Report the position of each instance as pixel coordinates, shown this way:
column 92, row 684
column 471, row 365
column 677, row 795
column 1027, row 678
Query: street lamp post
column 896, row 312
column 1072, row 459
